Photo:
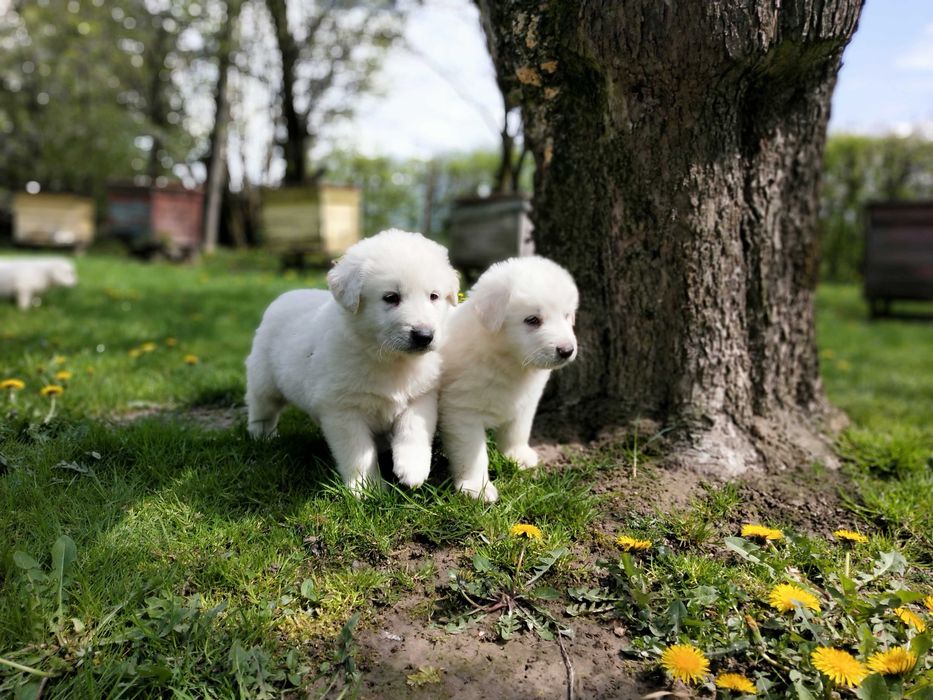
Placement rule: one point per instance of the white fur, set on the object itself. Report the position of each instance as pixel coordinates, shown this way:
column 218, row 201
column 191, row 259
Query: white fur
column 346, row 356
column 496, row 364
column 25, row 279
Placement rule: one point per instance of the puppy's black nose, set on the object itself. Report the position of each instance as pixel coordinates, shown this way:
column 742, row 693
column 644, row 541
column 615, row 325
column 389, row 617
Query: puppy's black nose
column 564, row 351
column 421, row 337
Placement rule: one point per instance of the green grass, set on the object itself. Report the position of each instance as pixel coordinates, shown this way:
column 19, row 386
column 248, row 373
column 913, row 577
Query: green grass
column 881, row 374
column 208, row 565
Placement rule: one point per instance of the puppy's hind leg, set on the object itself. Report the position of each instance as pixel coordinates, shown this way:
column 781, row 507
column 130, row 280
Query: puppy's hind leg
column 24, row 298
column 465, row 443
column 263, row 401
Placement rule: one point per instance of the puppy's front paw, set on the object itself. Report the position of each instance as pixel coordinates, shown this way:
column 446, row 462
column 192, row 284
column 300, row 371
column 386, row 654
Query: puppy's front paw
column 524, row 455
column 478, row 489
column 362, row 484
column 411, row 464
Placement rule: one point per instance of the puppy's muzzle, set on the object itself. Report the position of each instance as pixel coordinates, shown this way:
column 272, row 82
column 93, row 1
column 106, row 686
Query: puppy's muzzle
column 421, row 337
column 564, row 352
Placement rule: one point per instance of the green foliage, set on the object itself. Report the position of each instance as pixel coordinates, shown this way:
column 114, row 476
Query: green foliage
column 85, row 92
column 500, row 584
column 858, row 170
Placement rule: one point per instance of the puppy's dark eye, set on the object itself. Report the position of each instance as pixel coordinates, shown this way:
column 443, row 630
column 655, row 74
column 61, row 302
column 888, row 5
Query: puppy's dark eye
column 391, row 298
column 533, row 321
column 435, row 296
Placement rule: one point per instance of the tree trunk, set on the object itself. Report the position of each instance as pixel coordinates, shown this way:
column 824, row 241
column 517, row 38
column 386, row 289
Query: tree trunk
column 157, row 109
column 678, row 150
column 296, row 122
column 217, row 172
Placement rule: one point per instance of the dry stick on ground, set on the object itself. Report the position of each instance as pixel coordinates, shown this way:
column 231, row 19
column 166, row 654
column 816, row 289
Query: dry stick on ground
column 571, row 676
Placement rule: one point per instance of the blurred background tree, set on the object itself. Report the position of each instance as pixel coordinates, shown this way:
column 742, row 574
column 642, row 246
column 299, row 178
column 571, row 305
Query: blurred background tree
column 329, row 51
column 93, row 91
column 858, row 170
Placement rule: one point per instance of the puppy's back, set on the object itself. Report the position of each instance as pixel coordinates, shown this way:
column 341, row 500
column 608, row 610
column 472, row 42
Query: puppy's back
column 295, row 308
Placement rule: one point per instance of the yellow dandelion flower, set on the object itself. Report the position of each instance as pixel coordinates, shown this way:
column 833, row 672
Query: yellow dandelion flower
column 844, row 365
column 762, row 532
column 850, row 536
column 135, row 352
column 892, row 661
column 928, row 602
column 685, row 662
column 630, row 544
column 148, row 347
column 786, row 596
column 59, row 360
column 191, row 359
column 51, row 390
column 13, row 384
column 736, row 681
column 171, row 342
column 840, row 666
column 525, row 530
column 63, row 375
column 910, row 618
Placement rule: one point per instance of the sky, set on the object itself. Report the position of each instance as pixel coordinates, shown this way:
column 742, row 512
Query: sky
column 439, row 92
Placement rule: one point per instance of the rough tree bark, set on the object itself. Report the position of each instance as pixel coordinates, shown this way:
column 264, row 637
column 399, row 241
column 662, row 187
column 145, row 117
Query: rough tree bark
column 217, row 171
column 296, row 121
column 678, row 149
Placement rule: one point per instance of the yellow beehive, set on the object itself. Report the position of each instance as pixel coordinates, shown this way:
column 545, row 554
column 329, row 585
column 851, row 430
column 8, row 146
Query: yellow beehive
column 53, row 220
column 312, row 219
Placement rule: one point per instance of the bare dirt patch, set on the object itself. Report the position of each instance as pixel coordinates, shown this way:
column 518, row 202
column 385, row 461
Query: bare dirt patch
column 473, row 665
column 203, row 417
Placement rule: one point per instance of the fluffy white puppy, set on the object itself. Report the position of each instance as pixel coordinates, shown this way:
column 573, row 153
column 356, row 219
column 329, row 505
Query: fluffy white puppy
column 25, row 279
column 360, row 359
column 503, row 341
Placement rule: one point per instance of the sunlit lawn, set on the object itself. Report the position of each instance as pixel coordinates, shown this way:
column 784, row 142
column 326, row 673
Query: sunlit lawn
column 173, row 515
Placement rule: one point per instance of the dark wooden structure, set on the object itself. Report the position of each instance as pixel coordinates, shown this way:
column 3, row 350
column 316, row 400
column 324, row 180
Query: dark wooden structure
column 483, row 231
column 898, row 253
column 153, row 220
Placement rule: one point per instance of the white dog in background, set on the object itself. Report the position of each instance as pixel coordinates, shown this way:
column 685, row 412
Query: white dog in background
column 25, row 279
column 361, row 359
column 503, row 341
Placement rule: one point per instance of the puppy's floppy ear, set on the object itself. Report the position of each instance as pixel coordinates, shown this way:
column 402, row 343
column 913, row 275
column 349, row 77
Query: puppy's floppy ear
column 345, row 280
column 490, row 299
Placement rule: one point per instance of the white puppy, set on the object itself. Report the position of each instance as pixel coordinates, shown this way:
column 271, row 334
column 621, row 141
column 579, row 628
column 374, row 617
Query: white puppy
column 360, row 359
column 25, row 279
column 515, row 327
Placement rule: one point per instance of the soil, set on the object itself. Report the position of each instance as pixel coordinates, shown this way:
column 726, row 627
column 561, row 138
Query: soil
column 473, row 665
column 206, row 417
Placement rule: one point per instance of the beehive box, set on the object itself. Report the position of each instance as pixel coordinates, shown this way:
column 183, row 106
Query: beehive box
column 146, row 216
column 53, row 220
column 319, row 219
column 483, row 231
column 898, row 253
